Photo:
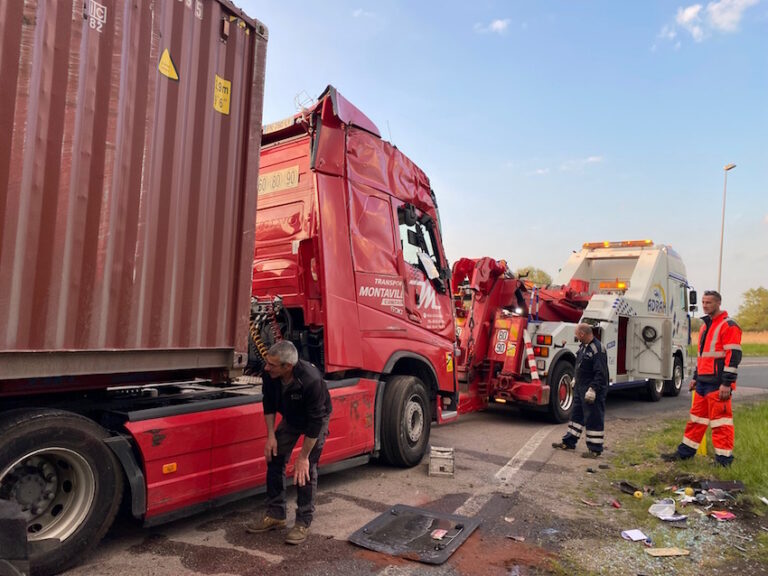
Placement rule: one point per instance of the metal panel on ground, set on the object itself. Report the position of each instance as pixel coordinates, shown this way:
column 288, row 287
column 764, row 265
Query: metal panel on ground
column 129, row 153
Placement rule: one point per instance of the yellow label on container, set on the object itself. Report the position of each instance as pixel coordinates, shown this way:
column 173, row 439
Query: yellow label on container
column 166, row 66
column 222, row 92
column 279, row 180
column 448, row 362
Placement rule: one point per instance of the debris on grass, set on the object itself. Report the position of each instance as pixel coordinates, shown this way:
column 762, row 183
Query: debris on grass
column 517, row 538
column 661, row 552
column 589, row 502
column 764, row 500
column 722, row 515
column 635, row 535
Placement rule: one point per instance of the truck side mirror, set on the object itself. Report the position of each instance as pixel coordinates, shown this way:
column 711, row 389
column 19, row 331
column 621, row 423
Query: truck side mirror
column 692, row 297
column 694, row 309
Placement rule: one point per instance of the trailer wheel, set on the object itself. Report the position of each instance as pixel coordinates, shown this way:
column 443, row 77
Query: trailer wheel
column 561, row 392
column 405, row 430
column 673, row 387
column 55, row 465
column 655, row 390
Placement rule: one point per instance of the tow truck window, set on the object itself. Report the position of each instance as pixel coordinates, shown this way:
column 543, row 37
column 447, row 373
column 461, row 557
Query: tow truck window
column 416, row 238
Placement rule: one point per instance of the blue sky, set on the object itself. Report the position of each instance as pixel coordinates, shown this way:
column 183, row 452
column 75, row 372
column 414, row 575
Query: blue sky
column 543, row 125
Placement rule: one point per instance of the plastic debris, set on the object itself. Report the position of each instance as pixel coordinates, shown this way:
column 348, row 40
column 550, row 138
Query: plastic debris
column 726, row 486
column 438, row 534
column 638, row 494
column 517, row 538
column 509, row 519
column 615, row 503
column 739, row 548
column 674, row 551
column 603, row 466
column 549, row 531
column 648, row 542
column 589, row 503
column 634, row 535
column 591, row 470
column 689, row 491
column 628, row 488
column 722, row 515
column 764, row 500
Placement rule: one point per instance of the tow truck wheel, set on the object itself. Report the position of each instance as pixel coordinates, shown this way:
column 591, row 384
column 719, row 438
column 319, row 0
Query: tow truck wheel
column 56, row 467
column 561, row 392
column 655, row 390
column 407, row 421
column 672, row 387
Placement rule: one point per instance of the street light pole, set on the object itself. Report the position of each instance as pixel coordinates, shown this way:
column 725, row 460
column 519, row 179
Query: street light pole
column 726, row 168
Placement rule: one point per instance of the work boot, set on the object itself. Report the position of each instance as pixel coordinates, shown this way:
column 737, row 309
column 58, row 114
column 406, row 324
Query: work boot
column 591, row 454
column 297, row 534
column 266, row 524
column 563, row 446
column 673, row 457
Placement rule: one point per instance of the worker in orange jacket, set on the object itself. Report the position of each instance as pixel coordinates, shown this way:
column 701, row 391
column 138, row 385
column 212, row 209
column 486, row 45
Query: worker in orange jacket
column 714, row 380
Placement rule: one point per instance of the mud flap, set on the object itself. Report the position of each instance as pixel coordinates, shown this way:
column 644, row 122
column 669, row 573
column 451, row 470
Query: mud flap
column 415, row 534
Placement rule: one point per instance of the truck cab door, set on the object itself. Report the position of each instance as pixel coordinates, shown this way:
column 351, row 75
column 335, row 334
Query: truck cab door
column 427, row 299
column 650, row 346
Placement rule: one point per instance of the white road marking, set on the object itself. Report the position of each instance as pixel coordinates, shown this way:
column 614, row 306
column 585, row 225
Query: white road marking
column 507, row 475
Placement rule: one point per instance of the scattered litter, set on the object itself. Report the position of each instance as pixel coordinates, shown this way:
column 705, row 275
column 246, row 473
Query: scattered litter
column 747, row 538
column 727, row 486
column 717, row 495
column 764, row 500
column 650, row 490
column 438, row 534
column 615, row 503
column 634, row 535
column 648, row 542
column 739, row 548
column 638, row 494
column 665, row 510
column 509, row 519
column 589, row 503
column 517, row 538
column 603, row 466
column 689, row 491
column 722, row 515
column 549, row 531
column 627, row 488
column 674, row 551
column 441, row 461
column 591, row 470
column 763, row 528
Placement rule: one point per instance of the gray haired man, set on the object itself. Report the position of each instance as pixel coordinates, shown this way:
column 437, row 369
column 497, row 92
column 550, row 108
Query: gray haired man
column 295, row 389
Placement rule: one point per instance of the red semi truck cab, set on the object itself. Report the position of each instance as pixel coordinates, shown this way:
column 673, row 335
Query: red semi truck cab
column 349, row 264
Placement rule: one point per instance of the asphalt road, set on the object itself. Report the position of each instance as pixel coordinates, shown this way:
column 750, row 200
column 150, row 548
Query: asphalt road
column 497, row 452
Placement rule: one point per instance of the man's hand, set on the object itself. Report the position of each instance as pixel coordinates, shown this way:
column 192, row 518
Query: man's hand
column 725, row 392
column 301, row 472
column 270, row 448
column 692, row 385
column 590, row 395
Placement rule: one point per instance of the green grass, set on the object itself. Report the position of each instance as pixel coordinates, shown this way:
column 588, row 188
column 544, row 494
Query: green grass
column 638, row 461
column 748, row 349
column 754, row 349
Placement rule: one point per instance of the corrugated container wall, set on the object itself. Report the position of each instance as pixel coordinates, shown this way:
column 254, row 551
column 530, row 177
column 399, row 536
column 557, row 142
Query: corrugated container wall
column 129, row 149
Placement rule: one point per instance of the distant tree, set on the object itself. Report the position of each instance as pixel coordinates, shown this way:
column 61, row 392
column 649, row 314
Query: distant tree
column 753, row 312
column 535, row 275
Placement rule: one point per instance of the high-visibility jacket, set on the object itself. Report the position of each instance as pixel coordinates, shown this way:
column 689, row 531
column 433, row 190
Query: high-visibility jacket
column 719, row 353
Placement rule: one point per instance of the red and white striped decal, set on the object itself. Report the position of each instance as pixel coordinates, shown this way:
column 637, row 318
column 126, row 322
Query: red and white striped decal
column 529, row 354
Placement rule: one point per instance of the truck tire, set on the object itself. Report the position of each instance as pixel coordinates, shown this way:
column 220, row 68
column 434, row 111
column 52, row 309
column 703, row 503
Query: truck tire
column 67, row 481
column 654, row 390
column 561, row 392
column 407, row 421
column 672, row 387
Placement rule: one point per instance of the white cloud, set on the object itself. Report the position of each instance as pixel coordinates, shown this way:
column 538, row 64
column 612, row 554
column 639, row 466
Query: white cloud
column 689, row 18
column 497, row 27
column 725, row 15
column 701, row 22
column 541, row 171
column 580, row 163
column 360, row 13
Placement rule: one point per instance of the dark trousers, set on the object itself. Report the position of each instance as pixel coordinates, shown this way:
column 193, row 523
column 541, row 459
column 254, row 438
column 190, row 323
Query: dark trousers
column 305, row 495
column 590, row 415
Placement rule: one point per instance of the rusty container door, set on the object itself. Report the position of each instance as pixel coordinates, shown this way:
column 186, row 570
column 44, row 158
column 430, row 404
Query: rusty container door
column 129, row 150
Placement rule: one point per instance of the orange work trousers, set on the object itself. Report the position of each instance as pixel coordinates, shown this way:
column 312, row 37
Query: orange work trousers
column 709, row 411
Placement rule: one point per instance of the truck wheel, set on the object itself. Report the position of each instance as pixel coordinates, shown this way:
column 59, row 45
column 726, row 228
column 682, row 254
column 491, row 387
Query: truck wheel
column 561, row 392
column 673, row 387
column 55, row 465
column 654, row 390
column 405, row 430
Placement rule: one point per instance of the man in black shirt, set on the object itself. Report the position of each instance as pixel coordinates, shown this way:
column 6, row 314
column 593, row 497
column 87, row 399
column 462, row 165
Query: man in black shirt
column 295, row 389
column 590, row 391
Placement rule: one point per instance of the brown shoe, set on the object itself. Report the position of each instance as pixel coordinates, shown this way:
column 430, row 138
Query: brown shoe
column 297, row 534
column 266, row 524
